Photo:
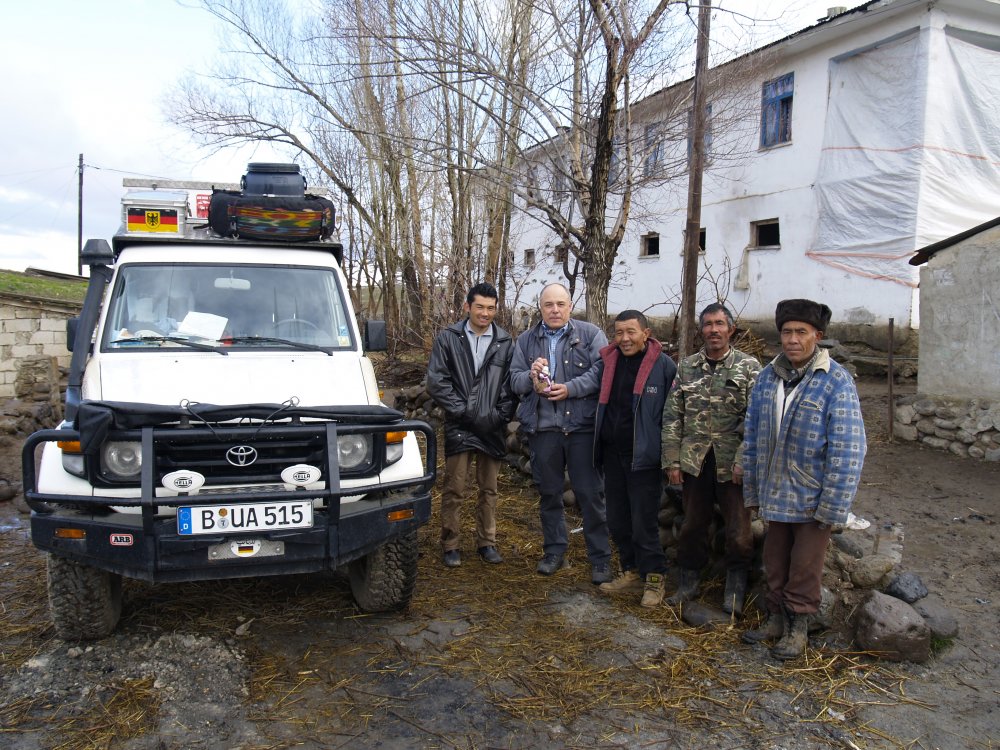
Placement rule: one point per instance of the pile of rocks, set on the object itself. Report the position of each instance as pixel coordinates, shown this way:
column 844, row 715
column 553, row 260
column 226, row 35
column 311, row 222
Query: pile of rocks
column 968, row 427
column 38, row 402
column 890, row 611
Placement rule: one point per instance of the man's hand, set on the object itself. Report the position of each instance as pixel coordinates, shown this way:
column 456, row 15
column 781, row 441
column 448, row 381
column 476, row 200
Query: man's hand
column 737, row 474
column 536, row 368
column 557, row 392
column 674, row 476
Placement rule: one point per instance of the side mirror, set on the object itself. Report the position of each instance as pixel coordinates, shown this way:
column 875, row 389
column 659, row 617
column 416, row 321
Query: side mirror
column 375, row 337
column 71, row 325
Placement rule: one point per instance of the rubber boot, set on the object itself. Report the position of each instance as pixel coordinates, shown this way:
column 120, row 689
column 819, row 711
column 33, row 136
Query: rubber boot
column 735, row 593
column 773, row 627
column 793, row 642
column 687, row 588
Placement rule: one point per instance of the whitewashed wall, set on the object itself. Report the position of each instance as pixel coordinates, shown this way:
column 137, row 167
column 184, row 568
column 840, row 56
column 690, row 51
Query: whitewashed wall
column 960, row 331
column 768, row 183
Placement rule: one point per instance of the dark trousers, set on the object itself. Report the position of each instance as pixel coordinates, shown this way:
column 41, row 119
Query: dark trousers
column 552, row 453
column 700, row 495
column 793, row 564
column 633, row 500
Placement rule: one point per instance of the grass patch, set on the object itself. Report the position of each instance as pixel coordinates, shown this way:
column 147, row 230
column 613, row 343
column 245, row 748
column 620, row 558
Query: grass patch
column 939, row 644
column 46, row 288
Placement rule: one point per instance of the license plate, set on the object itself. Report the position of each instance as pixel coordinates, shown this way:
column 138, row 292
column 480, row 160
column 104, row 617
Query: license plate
column 237, row 518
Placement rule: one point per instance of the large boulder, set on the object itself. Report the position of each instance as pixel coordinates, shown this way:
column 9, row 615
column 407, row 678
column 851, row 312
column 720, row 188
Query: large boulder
column 893, row 629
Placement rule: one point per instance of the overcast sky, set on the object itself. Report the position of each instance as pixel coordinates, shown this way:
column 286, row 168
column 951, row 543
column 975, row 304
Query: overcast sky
column 90, row 77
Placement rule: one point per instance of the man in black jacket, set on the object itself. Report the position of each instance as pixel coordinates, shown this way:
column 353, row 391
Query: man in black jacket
column 469, row 377
column 635, row 376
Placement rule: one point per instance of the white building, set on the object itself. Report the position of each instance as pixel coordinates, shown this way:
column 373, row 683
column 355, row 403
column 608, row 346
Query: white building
column 869, row 135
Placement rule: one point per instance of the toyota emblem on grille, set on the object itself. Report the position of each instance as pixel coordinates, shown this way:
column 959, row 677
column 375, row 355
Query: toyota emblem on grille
column 241, row 455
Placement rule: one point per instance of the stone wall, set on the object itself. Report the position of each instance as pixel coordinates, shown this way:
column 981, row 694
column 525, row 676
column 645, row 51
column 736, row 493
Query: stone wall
column 30, row 328
column 967, row 427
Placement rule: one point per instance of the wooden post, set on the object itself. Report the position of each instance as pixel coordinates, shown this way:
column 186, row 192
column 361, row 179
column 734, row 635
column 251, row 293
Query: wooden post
column 891, row 375
column 696, row 166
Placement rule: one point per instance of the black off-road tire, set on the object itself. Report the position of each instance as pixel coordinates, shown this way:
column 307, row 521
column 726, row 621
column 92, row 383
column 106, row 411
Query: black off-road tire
column 383, row 580
column 85, row 603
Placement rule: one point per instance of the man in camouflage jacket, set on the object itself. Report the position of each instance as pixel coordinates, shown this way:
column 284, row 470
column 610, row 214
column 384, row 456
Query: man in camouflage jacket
column 702, row 434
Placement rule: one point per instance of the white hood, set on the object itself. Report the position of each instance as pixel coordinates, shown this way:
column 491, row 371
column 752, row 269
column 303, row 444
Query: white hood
column 316, row 379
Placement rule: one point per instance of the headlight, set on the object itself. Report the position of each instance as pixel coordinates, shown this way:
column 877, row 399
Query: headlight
column 121, row 460
column 353, row 450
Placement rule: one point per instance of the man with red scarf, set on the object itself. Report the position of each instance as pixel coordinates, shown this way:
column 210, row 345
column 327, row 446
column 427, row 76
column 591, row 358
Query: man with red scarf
column 635, row 376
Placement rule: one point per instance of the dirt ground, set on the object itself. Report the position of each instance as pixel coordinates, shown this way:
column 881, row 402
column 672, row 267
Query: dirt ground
column 498, row 657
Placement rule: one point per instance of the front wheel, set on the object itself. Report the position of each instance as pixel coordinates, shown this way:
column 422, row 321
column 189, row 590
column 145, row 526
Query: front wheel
column 85, row 603
column 383, row 580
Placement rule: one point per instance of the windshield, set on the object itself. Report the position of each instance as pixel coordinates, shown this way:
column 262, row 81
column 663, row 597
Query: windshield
column 162, row 305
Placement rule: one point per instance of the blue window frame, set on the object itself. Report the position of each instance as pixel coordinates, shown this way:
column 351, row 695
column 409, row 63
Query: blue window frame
column 776, row 111
column 708, row 134
column 654, row 149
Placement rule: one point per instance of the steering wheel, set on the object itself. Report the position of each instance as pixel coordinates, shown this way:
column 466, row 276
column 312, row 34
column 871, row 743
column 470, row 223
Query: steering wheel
column 296, row 321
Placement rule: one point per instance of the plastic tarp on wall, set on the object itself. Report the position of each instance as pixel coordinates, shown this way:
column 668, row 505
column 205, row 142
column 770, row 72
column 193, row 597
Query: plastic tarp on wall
column 911, row 150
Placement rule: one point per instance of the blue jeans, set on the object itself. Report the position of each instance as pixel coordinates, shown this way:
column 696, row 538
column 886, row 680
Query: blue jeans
column 633, row 499
column 552, row 453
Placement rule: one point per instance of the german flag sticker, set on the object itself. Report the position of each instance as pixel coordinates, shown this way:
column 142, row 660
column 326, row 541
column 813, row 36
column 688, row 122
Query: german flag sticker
column 152, row 220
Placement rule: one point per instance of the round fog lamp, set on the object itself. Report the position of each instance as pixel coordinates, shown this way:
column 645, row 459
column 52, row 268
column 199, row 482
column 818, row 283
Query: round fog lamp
column 123, row 459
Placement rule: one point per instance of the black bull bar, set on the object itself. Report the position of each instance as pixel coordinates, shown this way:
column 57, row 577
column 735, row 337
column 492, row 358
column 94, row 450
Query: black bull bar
column 148, row 435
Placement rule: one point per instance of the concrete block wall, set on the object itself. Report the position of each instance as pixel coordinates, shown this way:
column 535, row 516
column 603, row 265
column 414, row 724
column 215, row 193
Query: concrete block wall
column 29, row 329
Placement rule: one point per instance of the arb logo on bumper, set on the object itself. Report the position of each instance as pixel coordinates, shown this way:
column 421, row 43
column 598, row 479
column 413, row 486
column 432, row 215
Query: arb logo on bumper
column 121, row 540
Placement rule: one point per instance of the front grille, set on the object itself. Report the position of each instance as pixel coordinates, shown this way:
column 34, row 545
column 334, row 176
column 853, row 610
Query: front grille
column 275, row 448
column 208, row 457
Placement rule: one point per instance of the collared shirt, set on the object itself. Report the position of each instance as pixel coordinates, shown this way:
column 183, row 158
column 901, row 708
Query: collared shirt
column 553, row 336
column 479, row 343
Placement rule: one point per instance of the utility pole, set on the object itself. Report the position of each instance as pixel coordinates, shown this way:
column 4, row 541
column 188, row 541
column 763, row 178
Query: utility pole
column 692, row 231
column 79, row 220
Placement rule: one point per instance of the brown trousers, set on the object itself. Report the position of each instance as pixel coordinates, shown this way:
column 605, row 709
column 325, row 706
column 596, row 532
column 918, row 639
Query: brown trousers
column 793, row 564
column 456, row 469
column 700, row 495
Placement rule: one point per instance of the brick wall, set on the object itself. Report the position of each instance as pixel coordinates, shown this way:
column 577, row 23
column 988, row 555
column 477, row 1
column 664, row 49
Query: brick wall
column 30, row 328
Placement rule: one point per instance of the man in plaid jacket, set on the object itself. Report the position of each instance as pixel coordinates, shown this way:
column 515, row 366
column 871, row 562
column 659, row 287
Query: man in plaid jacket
column 803, row 450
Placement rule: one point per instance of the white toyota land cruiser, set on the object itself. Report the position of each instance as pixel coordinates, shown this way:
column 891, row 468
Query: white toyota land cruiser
column 222, row 419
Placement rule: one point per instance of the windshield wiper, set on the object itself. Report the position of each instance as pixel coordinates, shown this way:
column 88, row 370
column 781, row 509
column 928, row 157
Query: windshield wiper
column 173, row 339
column 273, row 340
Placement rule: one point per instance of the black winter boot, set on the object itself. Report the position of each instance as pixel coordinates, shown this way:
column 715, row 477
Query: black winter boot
column 687, row 587
column 793, row 642
column 735, row 593
column 773, row 627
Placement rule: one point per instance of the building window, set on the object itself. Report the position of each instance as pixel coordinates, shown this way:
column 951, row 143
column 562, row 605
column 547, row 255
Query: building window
column 654, row 150
column 765, row 233
column 708, row 133
column 650, row 246
column 776, row 111
column 701, row 241
column 615, row 167
column 560, row 254
column 558, row 185
column 529, row 256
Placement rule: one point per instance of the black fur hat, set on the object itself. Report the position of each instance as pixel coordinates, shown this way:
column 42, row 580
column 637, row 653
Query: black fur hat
column 815, row 314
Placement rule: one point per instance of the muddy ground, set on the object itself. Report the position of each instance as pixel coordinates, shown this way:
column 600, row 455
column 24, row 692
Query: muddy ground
column 498, row 657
